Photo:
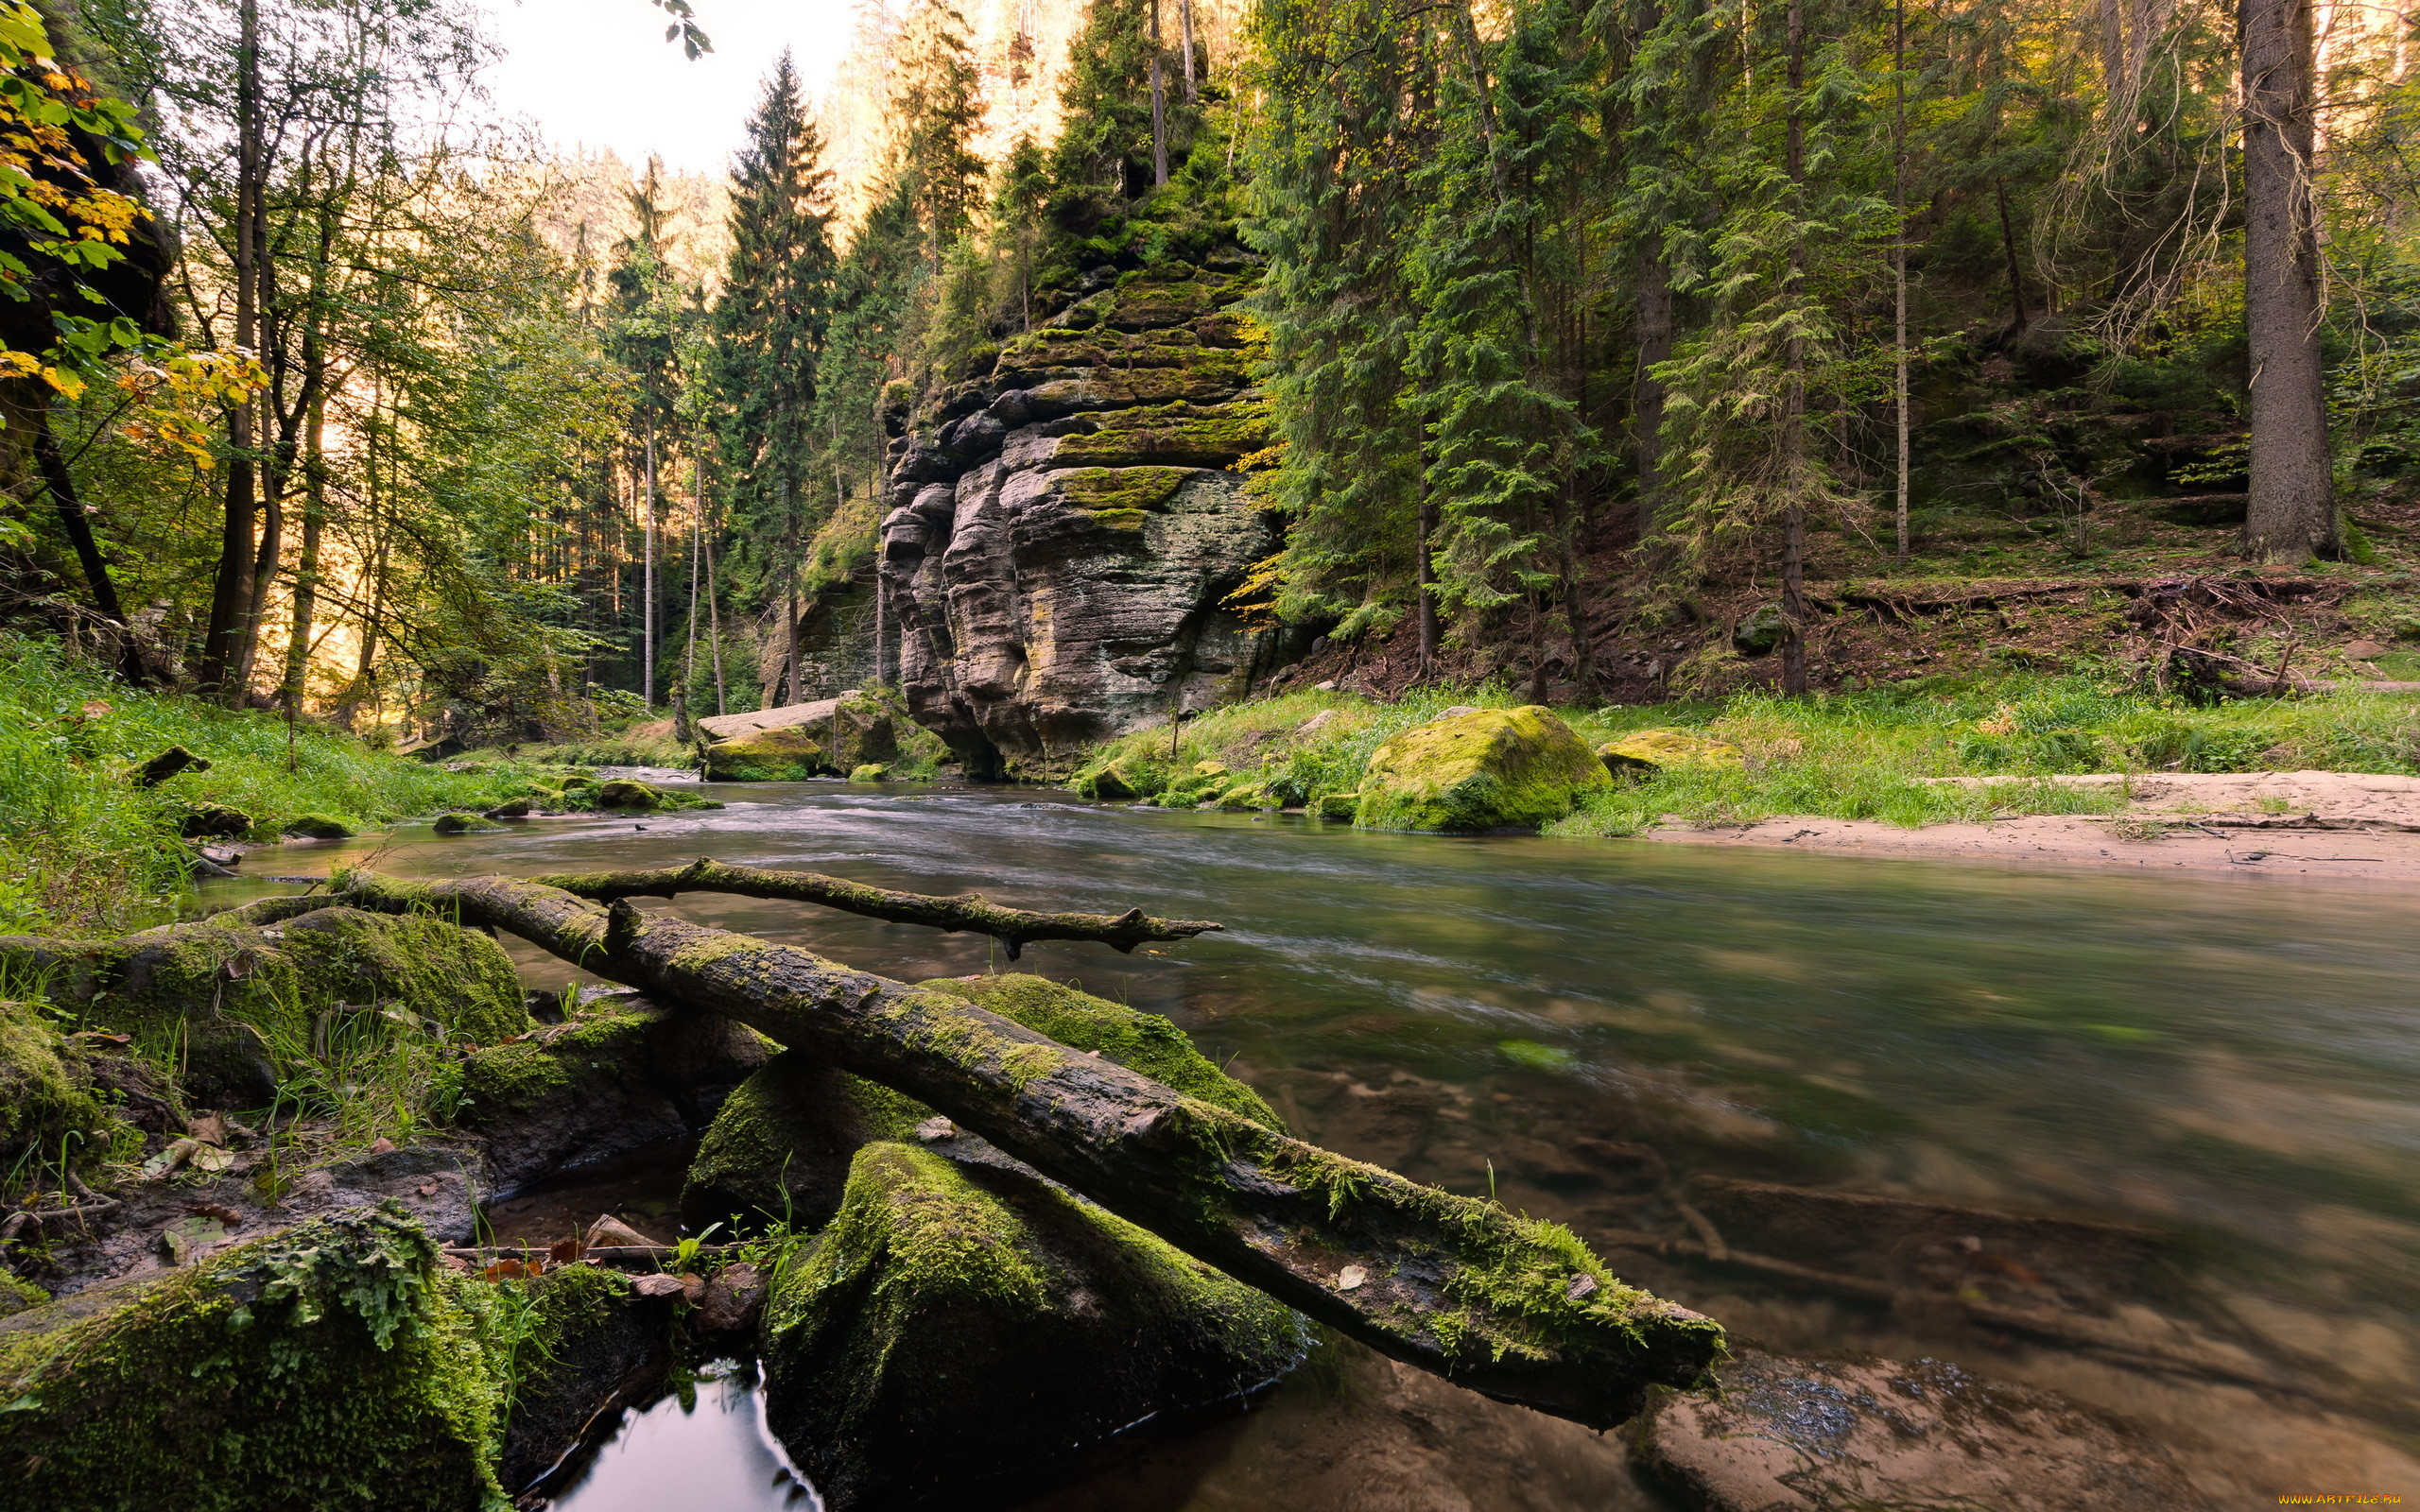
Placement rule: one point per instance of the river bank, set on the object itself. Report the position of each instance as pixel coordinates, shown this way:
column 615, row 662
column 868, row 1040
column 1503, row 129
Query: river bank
column 2331, row 824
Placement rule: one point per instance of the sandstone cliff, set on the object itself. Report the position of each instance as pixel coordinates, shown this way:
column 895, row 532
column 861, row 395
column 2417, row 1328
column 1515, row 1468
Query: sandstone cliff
column 1064, row 529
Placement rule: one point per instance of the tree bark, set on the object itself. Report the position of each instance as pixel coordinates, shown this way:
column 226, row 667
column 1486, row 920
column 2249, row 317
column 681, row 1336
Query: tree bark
column 1185, row 35
column 1899, row 257
column 647, row 612
column 70, row 504
column 231, row 595
column 1159, row 107
column 1427, row 569
column 1647, row 424
column 1506, row 1306
column 1015, row 928
column 2292, row 512
column 1794, row 425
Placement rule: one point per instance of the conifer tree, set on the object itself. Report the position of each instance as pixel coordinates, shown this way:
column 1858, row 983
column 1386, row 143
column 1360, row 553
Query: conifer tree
column 937, row 103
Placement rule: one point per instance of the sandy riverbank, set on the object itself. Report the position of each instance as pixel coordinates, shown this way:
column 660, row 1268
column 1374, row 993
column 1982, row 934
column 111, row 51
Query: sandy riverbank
column 2345, row 824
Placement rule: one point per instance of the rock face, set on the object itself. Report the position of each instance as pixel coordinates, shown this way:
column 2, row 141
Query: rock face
column 960, row 1329
column 827, row 738
column 1064, row 528
column 1478, row 769
column 1801, row 1435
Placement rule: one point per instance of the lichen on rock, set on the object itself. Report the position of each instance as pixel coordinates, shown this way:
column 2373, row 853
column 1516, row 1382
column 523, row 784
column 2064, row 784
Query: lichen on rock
column 958, row 1326
column 1652, row 750
column 1476, row 770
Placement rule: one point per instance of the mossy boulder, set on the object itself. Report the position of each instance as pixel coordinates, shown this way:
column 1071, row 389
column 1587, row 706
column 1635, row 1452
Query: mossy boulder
column 1337, row 806
column 213, row 821
column 870, row 772
column 237, row 1005
column 43, row 1098
column 1652, row 750
column 1759, row 632
column 316, row 827
column 835, row 736
column 780, row 1148
column 645, row 797
column 622, row 1074
column 585, row 1336
column 961, row 1330
column 1251, row 797
column 1476, row 770
column 1120, row 781
column 332, row 1365
column 464, row 824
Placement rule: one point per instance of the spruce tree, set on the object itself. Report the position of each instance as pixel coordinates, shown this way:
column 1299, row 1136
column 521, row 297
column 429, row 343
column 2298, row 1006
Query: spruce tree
column 937, row 103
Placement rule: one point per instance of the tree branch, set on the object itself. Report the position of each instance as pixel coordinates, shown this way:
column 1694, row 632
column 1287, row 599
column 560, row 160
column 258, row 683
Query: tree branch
column 1012, row 927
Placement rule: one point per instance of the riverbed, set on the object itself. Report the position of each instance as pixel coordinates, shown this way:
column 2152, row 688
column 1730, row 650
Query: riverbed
column 2220, row 1073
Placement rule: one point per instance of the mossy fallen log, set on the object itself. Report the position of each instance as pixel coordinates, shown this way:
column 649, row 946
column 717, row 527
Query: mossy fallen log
column 1015, row 928
column 1508, row 1306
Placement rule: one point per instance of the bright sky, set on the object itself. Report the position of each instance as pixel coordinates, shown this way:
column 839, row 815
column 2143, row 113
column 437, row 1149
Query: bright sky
column 599, row 73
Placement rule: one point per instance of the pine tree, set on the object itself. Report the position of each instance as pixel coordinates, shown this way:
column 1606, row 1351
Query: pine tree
column 770, row 321
column 937, row 105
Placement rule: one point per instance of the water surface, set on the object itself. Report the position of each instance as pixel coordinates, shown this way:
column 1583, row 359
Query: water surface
column 2230, row 1061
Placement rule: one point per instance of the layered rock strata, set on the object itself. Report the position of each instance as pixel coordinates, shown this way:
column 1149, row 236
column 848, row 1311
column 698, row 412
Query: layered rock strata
column 1064, row 528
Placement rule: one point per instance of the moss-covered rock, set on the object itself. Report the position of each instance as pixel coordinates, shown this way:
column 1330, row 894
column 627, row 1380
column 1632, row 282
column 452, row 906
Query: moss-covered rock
column 582, row 1336
column 960, row 1329
column 317, row 827
column 781, row 1146
column 1651, row 750
column 332, row 1365
column 1480, row 769
column 237, row 1006
column 19, row 1296
column 1338, row 806
column 464, row 824
column 208, row 821
column 864, row 727
column 792, row 754
column 870, row 772
column 41, row 1098
column 622, row 1074
column 1120, row 781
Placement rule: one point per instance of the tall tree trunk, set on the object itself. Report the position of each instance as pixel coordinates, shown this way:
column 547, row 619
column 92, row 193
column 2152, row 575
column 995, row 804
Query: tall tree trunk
column 306, row 569
column 713, row 626
column 1159, row 107
column 2293, row 511
column 1899, row 256
column 790, row 658
column 647, row 612
column 62, row 484
column 2113, row 50
column 1647, row 423
column 1428, row 572
column 696, row 549
column 230, row 596
column 1185, row 35
column 2019, row 319
column 1794, row 425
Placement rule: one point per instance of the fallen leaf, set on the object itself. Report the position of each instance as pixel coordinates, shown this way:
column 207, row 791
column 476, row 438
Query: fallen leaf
column 189, row 1238
column 1349, row 1278
column 208, row 1127
column 95, row 709
column 209, row 1158
column 658, row 1286
column 609, row 1232
column 563, row 1251
column 240, row 967
column 178, row 1152
column 506, row 1270
column 382, row 1146
column 427, row 1188
column 216, row 1209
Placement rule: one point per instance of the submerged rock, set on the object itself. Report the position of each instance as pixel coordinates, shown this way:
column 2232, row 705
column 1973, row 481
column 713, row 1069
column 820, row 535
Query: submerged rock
column 644, row 798
column 1483, row 769
column 1652, row 750
column 961, row 1330
column 317, row 827
column 464, row 824
column 1845, row 1436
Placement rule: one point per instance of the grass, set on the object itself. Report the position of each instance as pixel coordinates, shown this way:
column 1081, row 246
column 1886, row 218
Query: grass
column 605, row 750
column 1860, row 755
column 84, row 851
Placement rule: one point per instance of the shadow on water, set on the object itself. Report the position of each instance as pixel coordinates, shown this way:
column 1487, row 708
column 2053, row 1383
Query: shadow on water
column 703, row 1446
column 1614, row 1034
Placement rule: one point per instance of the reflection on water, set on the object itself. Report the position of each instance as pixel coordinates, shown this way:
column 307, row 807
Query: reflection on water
column 703, row 1447
column 1586, row 1028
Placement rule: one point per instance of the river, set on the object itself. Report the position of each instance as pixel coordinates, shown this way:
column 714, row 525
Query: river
column 2225, row 1068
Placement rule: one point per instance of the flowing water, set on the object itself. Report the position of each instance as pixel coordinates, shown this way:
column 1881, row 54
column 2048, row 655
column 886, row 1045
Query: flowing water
column 1604, row 1033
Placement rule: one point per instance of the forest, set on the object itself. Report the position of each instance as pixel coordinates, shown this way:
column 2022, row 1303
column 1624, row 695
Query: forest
column 360, row 405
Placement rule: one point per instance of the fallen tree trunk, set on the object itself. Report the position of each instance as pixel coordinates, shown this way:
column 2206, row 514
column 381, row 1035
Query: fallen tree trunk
column 1015, row 928
column 1507, row 1306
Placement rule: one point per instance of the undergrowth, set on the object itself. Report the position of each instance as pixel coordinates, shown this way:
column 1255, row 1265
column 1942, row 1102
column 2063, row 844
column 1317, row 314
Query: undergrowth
column 83, row 850
column 1858, row 755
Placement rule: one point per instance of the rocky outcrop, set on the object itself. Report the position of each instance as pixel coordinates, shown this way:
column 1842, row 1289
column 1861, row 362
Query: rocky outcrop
column 1065, row 527
column 829, row 737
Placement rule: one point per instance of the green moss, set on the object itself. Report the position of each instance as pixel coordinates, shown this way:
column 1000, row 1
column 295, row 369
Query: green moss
column 323, row 1366
column 509, row 1079
column 318, row 827
column 1179, row 434
column 1144, row 1042
column 17, row 1295
column 905, row 1353
column 1120, row 489
column 463, row 824
column 41, row 1098
column 870, row 772
column 1486, row 770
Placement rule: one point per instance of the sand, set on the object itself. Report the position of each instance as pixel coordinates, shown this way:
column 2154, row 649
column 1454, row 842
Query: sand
column 2342, row 824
